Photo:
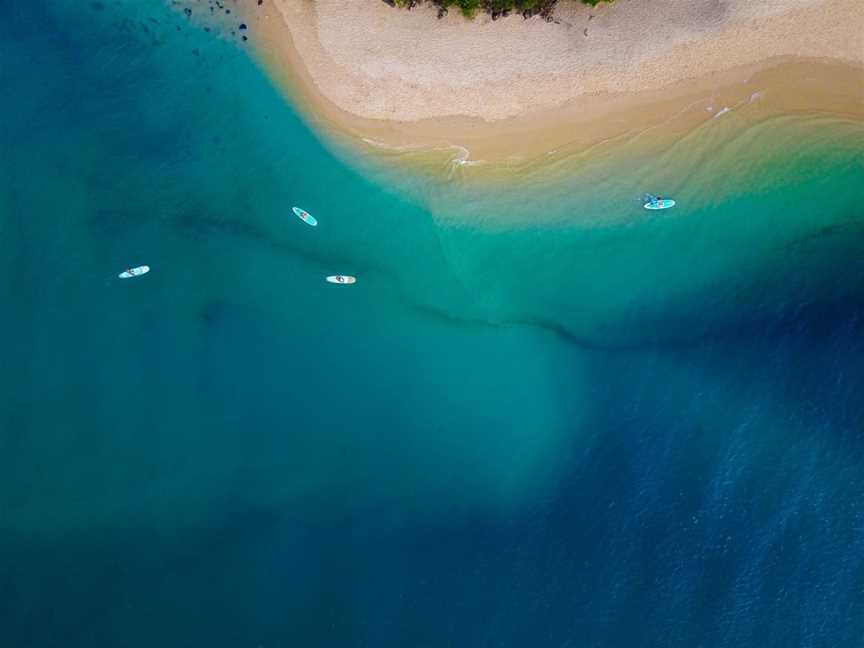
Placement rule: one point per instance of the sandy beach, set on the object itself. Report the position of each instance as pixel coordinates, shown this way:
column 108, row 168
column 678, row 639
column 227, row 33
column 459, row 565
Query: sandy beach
column 406, row 78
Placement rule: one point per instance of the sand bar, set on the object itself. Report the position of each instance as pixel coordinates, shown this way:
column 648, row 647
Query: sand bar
column 406, row 78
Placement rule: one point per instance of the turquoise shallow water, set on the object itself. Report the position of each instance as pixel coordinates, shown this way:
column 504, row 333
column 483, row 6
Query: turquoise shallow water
column 585, row 429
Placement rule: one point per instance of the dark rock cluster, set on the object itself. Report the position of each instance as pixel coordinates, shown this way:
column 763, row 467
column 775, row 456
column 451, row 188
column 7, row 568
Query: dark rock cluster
column 495, row 8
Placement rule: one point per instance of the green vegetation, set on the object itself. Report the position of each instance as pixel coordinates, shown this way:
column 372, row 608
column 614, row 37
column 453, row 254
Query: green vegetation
column 496, row 8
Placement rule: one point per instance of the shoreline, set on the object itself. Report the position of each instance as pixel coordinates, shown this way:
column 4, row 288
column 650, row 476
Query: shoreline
column 782, row 83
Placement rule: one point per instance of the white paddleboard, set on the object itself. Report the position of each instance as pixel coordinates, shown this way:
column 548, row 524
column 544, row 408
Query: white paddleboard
column 305, row 216
column 664, row 203
column 342, row 279
column 134, row 272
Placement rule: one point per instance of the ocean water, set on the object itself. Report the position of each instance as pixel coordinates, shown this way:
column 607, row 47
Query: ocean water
column 540, row 418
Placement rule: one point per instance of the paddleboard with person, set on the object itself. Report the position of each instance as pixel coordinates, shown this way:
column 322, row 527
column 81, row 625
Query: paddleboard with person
column 305, row 216
column 657, row 202
column 134, row 272
column 342, row 279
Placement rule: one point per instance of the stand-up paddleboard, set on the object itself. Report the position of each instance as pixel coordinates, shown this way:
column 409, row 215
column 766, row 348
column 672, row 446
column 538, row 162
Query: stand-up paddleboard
column 134, row 272
column 658, row 203
column 342, row 279
column 305, row 216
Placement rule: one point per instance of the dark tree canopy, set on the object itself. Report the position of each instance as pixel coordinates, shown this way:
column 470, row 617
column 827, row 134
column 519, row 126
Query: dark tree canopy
column 496, row 8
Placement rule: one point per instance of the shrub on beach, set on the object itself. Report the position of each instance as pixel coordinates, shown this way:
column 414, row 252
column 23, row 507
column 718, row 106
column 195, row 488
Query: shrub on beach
column 495, row 8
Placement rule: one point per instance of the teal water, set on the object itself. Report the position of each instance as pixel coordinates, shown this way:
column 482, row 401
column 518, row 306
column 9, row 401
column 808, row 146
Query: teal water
column 539, row 419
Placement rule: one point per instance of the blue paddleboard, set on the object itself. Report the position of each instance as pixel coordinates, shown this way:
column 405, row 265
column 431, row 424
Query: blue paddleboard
column 664, row 203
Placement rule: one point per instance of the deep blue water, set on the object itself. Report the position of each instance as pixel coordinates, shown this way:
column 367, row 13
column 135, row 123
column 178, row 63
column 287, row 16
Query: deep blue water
column 503, row 435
